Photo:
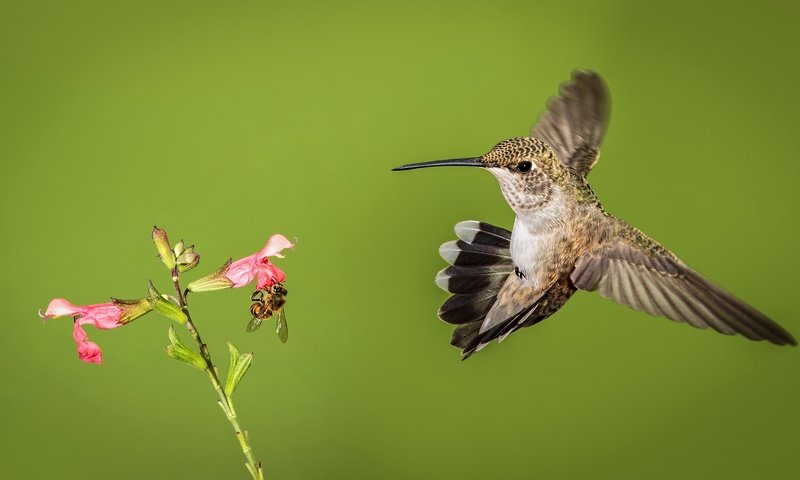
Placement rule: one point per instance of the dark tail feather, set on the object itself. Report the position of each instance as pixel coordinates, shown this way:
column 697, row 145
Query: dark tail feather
column 471, row 340
column 480, row 233
column 467, row 308
column 459, row 280
column 480, row 259
column 480, row 262
column 464, row 254
column 476, row 341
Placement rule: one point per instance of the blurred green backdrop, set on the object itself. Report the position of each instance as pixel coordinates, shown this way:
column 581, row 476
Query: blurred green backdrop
column 224, row 124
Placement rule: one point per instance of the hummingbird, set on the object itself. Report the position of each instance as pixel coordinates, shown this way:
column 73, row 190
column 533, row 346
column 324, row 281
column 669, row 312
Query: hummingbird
column 563, row 241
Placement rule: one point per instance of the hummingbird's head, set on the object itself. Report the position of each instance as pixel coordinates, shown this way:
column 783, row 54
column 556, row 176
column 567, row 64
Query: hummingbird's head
column 526, row 168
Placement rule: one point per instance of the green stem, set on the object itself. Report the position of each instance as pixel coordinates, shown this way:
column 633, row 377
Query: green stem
column 225, row 402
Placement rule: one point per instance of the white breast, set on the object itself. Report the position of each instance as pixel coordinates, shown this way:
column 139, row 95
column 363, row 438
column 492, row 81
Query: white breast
column 529, row 250
column 535, row 237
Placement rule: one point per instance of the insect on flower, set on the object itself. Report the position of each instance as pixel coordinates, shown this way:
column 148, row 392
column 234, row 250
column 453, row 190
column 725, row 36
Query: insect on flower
column 243, row 271
column 267, row 302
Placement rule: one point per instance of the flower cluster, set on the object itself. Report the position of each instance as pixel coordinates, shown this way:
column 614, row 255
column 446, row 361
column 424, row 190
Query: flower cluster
column 118, row 312
column 178, row 259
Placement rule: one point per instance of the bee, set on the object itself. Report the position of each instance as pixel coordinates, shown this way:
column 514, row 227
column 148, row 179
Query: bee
column 268, row 302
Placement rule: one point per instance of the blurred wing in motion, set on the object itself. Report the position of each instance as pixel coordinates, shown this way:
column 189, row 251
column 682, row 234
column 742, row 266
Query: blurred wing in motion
column 281, row 327
column 254, row 324
column 576, row 121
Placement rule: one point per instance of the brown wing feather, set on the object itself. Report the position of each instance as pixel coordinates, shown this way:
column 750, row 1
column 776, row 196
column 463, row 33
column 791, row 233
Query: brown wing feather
column 576, row 121
column 633, row 270
column 517, row 306
column 514, row 297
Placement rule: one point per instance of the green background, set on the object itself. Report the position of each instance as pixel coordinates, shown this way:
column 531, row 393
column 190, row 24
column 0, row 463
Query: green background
column 225, row 124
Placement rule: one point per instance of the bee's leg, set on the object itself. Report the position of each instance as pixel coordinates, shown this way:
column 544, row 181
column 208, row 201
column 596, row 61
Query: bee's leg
column 257, row 296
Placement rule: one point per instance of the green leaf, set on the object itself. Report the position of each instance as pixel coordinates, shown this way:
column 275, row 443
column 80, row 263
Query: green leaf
column 151, row 290
column 225, row 409
column 165, row 307
column 177, row 350
column 174, row 339
column 238, row 367
column 231, row 366
column 250, row 469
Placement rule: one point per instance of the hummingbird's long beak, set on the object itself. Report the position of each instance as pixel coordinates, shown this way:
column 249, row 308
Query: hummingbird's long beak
column 456, row 162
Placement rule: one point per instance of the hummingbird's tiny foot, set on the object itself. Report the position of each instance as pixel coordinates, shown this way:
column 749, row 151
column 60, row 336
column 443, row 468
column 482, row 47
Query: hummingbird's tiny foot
column 518, row 272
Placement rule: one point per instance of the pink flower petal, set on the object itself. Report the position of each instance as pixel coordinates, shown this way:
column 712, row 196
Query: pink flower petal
column 274, row 245
column 59, row 308
column 78, row 333
column 102, row 315
column 89, row 352
column 242, row 271
column 268, row 274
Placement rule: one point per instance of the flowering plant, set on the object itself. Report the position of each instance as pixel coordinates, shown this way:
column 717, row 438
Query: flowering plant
column 178, row 259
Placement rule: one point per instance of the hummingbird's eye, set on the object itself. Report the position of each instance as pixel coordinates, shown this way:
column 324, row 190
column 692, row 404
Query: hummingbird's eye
column 524, row 166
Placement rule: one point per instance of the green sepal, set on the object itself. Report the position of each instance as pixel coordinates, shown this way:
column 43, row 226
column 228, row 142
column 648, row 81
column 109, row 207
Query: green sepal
column 177, row 350
column 238, row 367
column 131, row 309
column 214, row 281
column 165, row 252
column 165, row 307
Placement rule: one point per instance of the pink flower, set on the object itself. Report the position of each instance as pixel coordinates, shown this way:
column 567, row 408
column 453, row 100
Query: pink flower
column 243, row 271
column 87, row 351
column 104, row 316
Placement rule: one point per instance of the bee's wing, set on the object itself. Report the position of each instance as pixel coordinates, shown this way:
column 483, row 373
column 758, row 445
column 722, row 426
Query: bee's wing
column 281, row 327
column 254, row 324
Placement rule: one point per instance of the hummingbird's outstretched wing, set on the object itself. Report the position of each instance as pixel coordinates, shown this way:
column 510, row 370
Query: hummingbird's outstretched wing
column 632, row 269
column 576, row 121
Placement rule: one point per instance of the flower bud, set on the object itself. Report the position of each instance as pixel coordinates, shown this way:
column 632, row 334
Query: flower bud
column 188, row 260
column 162, row 246
column 179, row 248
